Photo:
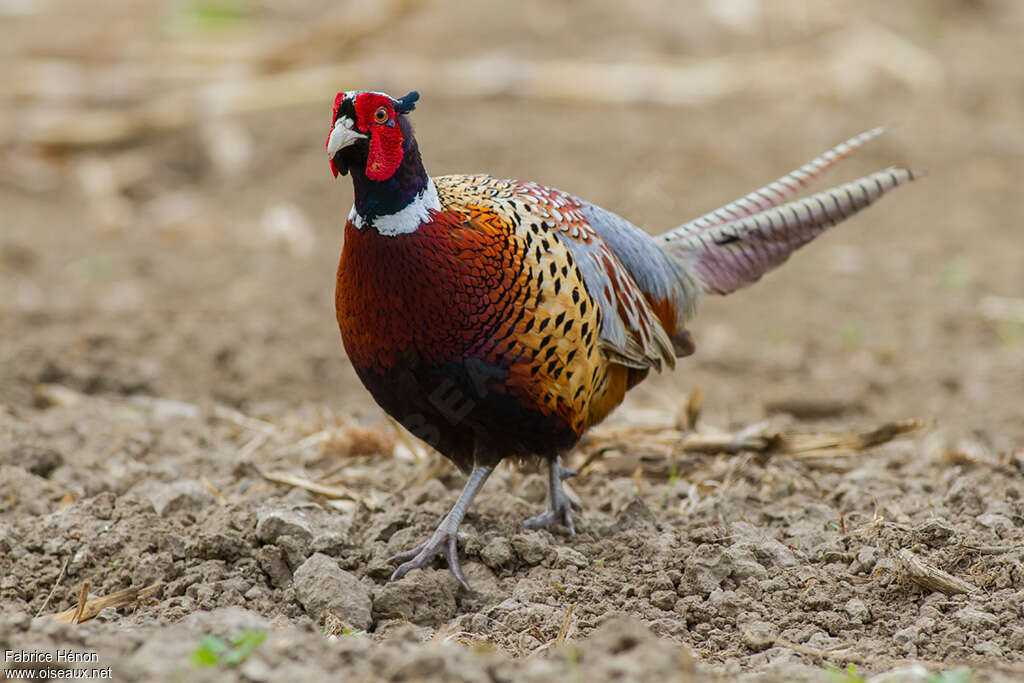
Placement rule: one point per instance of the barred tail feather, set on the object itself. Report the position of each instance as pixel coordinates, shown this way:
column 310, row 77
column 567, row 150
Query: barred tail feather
column 774, row 193
column 729, row 255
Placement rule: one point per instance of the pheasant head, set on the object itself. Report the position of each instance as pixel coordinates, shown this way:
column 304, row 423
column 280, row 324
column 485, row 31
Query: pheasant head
column 372, row 139
column 369, row 131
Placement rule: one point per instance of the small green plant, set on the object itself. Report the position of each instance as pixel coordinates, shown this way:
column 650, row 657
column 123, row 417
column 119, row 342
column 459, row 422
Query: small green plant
column 1010, row 332
column 952, row 676
column 346, row 631
column 955, row 275
column 775, row 335
column 847, row 675
column 850, row 675
column 851, row 334
column 673, row 477
column 213, row 651
column 212, row 15
column 205, row 17
column 483, row 646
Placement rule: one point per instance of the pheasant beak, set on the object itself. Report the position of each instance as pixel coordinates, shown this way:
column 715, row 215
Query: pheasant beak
column 341, row 137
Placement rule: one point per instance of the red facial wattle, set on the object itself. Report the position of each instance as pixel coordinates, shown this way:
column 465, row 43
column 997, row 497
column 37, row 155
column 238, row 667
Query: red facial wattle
column 385, row 153
column 385, row 138
column 334, row 118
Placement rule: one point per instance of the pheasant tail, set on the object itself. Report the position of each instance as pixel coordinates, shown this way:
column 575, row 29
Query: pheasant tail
column 733, row 246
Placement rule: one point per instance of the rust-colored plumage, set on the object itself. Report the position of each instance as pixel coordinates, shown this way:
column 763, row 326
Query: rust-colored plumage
column 497, row 318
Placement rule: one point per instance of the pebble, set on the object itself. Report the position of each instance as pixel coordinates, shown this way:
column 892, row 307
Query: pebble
column 704, row 570
column 758, row 635
column 496, row 553
column 636, row 515
column 567, row 557
column 906, row 635
column 744, row 564
column 530, row 547
column 857, row 610
column 180, row 496
column 1016, row 639
column 272, row 524
column 322, row 586
column 272, row 562
column 975, row 619
column 424, row 596
column 773, row 553
column 664, row 599
column 864, row 560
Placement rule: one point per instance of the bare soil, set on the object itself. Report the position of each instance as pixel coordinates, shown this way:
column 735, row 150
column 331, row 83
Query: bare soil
column 166, row 345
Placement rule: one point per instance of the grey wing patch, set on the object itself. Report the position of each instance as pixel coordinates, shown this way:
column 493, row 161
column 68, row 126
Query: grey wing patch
column 656, row 274
column 631, row 333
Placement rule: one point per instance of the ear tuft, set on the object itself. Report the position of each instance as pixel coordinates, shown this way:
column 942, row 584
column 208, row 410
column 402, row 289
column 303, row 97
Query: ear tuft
column 406, row 104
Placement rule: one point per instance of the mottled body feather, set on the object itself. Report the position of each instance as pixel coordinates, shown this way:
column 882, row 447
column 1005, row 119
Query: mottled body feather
column 478, row 331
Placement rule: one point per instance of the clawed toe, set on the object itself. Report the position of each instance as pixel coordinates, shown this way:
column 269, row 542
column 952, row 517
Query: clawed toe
column 406, row 555
column 541, row 521
column 560, row 505
column 444, row 539
column 441, row 543
column 565, row 473
column 560, row 515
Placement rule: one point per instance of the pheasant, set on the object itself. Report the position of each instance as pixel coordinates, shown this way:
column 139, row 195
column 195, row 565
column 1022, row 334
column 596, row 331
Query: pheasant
column 502, row 318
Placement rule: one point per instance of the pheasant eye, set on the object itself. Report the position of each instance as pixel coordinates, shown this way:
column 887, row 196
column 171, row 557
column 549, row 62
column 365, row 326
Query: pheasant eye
column 381, row 115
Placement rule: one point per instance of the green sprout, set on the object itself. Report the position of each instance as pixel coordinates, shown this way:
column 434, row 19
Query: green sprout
column 955, row 275
column 952, row 676
column 1010, row 332
column 213, row 651
column 851, row 334
column 847, row 675
column 212, row 15
column 673, row 477
column 850, row 675
column 206, row 17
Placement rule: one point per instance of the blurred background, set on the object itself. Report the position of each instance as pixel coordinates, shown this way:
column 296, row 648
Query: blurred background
column 169, row 224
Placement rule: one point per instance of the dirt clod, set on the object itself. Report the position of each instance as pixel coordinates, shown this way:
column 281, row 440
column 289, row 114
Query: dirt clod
column 497, row 553
column 180, row 497
column 424, row 596
column 759, row 635
column 323, row 587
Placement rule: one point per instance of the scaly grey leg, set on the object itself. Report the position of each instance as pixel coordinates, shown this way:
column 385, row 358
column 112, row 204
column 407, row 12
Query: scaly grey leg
column 444, row 539
column 560, row 505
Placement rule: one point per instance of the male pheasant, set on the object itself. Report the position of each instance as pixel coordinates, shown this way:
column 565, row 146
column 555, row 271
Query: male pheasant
column 502, row 318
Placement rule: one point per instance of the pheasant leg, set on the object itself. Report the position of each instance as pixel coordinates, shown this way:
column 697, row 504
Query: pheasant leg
column 560, row 505
column 444, row 540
